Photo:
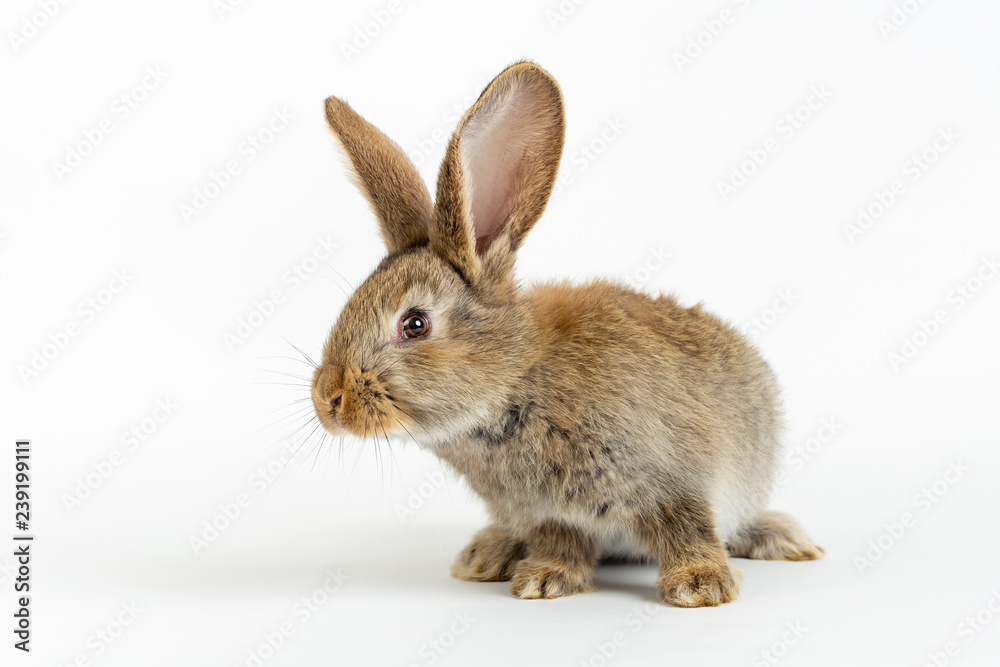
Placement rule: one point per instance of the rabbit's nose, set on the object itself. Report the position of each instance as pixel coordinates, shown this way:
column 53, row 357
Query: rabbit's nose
column 335, row 401
column 327, row 384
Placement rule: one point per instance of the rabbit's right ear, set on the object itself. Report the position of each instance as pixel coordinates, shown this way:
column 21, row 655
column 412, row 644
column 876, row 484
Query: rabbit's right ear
column 498, row 172
column 385, row 175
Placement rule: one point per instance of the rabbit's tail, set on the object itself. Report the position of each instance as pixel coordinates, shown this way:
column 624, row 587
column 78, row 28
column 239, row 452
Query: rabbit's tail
column 774, row 536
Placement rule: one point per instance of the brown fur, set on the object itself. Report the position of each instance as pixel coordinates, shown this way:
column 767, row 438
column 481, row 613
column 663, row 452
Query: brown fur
column 593, row 420
column 385, row 175
column 490, row 556
column 775, row 536
column 559, row 560
column 694, row 570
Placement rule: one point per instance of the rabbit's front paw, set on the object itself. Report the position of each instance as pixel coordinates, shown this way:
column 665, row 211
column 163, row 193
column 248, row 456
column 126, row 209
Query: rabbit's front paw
column 490, row 556
column 537, row 579
column 702, row 585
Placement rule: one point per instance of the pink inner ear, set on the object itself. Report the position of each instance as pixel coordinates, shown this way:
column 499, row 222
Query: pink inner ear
column 494, row 144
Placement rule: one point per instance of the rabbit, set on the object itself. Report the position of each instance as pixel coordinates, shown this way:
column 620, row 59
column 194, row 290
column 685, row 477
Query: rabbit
column 595, row 421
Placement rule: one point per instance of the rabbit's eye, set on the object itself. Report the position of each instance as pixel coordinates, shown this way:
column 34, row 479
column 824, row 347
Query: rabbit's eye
column 415, row 325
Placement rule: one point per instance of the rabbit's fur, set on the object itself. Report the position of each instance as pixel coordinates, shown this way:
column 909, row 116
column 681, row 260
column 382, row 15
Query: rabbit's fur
column 593, row 420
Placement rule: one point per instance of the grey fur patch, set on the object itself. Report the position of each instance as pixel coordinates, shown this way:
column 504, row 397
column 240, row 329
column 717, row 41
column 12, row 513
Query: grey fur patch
column 515, row 420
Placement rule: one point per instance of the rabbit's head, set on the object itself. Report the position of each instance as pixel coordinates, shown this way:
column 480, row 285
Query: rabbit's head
column 432, row 340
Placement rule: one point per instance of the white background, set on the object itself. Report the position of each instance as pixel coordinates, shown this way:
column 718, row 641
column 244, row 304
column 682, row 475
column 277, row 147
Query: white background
column 672, row 131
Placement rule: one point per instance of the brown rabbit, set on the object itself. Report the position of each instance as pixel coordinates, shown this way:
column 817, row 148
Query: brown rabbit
column 593, row 420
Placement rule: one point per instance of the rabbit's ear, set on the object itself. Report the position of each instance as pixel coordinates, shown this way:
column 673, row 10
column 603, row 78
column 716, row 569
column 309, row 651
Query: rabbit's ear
column 498, row 171
column 385, row 175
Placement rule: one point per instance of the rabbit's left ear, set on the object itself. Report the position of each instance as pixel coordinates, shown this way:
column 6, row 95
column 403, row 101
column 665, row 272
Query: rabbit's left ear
column 498, row 172
column 385, row 175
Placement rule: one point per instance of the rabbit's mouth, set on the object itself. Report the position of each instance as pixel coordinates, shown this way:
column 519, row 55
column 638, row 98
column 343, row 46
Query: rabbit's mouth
column 355, row 401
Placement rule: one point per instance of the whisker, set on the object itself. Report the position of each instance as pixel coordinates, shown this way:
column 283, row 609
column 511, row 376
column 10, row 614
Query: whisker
column 332, row 281
column 405, row 413
column 346, row 293
column 402, row 426
column 279, row 356
column 378, row 461
column 379, row 376
column 326, row 467
column 308, row 439
column 353, row 287
column 298, row 415
column 355, row 467
column 295, row 450
column 291, row 375
column 319, row 448
column 392, row 458
column 261, row 451
column 297, row 349
column 379, row 445
column 302, row 412
column 290, row 405
column 306, row 424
